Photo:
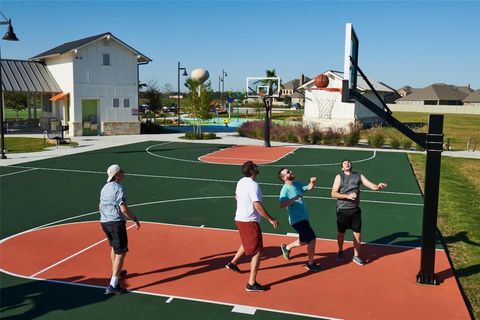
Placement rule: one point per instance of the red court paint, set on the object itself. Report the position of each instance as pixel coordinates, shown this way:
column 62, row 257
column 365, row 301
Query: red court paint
column 189, row 262
column 240, row 154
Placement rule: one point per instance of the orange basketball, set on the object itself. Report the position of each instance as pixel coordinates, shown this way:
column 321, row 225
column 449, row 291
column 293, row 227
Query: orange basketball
column 321, row 81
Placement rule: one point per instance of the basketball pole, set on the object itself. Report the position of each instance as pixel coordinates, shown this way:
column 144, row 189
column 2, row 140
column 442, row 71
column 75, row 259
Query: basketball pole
column 266, row 102
column 433, row 144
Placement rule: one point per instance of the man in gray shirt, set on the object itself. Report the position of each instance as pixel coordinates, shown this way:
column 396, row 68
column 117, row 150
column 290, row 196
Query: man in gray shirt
column 113, row 213
column 346, row 188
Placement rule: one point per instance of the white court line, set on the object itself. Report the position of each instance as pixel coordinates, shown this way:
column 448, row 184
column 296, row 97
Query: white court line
column 169, row 300
column 12, row 173
column 72, row 256
column 269, row 165
column 244, row 309
column 200, row 179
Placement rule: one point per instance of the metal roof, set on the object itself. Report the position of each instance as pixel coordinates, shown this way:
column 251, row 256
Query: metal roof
column 27, row 76
column 69, row 46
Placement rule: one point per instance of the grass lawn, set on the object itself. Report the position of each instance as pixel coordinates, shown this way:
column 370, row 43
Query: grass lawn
column 458, row 127
column 458, row 218
column 19, row 145
column 23, row 114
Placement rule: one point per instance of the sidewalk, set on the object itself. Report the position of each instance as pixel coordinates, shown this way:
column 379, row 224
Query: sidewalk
column 230, row 138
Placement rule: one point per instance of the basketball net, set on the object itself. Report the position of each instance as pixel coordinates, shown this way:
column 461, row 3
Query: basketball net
column 326, row 101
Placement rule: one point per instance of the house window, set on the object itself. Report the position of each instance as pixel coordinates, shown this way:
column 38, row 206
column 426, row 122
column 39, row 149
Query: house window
column 126, row 103
column 106, row 59
column 116, row 103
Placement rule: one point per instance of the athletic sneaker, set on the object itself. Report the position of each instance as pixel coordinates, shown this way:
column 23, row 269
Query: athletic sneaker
column 312, row 267
column 256, row 287
column 358, row 260
column 115, row 290
column 340, row 256
column 285, row 252
column 233, row 267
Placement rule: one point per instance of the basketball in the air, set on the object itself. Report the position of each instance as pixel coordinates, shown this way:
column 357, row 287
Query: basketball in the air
column 321, row 81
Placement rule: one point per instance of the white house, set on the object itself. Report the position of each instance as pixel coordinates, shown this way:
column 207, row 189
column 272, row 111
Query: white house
column 324, row 108
column 98, row 76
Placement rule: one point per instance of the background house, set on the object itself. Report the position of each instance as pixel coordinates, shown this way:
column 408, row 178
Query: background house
column 98, row 77
column 290, row 90
column 473, row 99
column 437, row 94
column 325, row 108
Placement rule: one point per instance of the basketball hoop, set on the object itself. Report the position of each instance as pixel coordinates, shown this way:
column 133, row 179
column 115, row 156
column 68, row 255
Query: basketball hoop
column 326, row 101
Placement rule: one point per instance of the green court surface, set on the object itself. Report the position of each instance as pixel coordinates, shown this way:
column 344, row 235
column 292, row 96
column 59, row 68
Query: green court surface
column 166, row 183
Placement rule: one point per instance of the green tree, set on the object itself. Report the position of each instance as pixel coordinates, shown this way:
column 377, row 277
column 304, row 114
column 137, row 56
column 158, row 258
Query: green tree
column 154, row 97
column 198, row 101
column 16, row 101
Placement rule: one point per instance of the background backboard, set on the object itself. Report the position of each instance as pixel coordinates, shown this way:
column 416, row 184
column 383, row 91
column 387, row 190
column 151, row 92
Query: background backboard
column 350, row 71
column 258, row 86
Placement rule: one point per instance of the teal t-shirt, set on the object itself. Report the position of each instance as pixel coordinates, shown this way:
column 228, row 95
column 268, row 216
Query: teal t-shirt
column 297, row 211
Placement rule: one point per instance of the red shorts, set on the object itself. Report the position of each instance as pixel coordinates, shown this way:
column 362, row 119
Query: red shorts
column 251, row 236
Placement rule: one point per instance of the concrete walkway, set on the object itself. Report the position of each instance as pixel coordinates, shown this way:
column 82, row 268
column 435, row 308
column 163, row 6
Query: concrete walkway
column 230, row 138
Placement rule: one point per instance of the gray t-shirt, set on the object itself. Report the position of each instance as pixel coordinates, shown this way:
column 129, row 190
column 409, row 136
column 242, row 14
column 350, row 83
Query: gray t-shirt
column 111, row 197
column 348, row 184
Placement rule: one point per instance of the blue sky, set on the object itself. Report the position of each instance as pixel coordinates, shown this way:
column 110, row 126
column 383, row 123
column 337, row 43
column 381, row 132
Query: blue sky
column 414, row 43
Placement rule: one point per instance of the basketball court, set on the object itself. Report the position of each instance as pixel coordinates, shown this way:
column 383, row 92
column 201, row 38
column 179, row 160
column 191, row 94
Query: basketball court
column 187, row 236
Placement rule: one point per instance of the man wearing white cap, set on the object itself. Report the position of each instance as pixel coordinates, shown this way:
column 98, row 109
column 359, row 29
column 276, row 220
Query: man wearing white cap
column 113, row 213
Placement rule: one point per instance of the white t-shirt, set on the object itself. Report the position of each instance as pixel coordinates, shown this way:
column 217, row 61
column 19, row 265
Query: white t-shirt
column 247, row 192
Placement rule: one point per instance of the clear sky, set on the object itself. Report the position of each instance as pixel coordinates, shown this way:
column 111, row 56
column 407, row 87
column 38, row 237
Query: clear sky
column 414, row 43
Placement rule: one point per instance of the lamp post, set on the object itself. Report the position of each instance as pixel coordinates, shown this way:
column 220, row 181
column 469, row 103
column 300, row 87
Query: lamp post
column 178, row 89
column 222, row 79
column 10, row 36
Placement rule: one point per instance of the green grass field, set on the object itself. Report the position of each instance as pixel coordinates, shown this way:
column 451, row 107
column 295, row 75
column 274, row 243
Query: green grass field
column 69, row 186
column 459, row 213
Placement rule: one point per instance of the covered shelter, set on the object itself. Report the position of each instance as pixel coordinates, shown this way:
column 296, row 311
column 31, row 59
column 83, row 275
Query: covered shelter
column 37, row 83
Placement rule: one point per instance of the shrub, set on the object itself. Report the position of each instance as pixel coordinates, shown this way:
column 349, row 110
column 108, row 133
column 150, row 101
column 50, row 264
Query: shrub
column 395, row 142
column 376, row 137
column 315, row 136
column 302, row 133
column 332, row 137
column 406, row 143
column 352, row 136
column 153, row 128
column 200, row 135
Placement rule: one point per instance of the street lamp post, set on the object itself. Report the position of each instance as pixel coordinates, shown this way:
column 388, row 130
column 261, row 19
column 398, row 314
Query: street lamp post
column 178, row 89
column 10, row 36
column 222, row 79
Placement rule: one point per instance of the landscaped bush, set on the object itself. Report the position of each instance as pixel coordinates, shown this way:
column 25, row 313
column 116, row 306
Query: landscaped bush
column 376, row 137
column 406, row 143
column 200, row 135
column 153, row 128
column 332, row 136
column 302, row 133
column 395, row 142
column 352, row 136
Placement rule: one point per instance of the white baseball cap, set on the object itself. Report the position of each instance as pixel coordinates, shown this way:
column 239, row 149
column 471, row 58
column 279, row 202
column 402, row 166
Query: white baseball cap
column 112, row 171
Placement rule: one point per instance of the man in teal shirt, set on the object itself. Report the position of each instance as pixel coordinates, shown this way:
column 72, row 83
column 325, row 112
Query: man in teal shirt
column 292, row 199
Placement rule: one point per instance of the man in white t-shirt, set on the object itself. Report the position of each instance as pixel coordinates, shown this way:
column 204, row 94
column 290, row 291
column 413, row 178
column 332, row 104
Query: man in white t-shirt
column 247, row 219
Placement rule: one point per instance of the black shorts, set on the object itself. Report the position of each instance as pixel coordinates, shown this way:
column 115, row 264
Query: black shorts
column 349, row 219
column 305, row 232
column 116, row 232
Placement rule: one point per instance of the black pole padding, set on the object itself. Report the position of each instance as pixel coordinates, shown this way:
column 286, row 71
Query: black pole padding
column 266, row 102
column 434, row 144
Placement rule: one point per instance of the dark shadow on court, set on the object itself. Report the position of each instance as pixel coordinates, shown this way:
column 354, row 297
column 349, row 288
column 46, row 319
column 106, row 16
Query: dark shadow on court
column 400, row 239
column 206, row 264
column 34, row 299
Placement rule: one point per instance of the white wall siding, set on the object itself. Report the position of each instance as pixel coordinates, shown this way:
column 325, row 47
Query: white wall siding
column 93, row 80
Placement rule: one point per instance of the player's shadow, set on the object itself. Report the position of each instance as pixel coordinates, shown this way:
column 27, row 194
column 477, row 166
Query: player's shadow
column 205, row 264
column 33, row 299
column 298, row 259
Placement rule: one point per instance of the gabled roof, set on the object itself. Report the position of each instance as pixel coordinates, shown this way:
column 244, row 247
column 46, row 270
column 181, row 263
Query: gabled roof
column 361, row 83
column 473, row 97
column 73, row 45
column 437, row 91
column 27, row 76
column 294, row 84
